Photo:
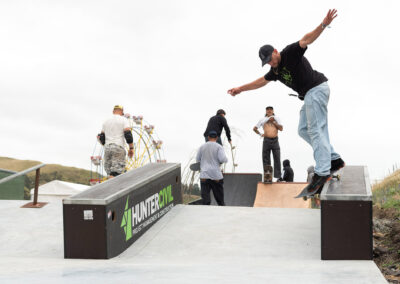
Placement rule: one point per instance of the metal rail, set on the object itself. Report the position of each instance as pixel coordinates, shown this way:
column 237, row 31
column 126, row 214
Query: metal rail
column 21, row 173
column 24, row 172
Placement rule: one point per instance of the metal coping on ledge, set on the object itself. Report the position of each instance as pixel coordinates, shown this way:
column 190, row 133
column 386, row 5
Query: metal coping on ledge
column 349, row 197
column 136, row 184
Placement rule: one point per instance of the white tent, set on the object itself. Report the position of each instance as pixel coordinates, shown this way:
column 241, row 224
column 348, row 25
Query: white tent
column 57, row 190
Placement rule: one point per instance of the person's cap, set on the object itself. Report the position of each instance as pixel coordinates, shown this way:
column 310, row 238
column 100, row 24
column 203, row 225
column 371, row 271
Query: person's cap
column 118, row 107
column 212, row 134
column 265, row 53
column 269, row 107
column 221, row 111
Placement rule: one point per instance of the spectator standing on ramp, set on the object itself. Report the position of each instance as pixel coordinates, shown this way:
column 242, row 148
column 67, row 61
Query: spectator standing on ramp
column 288, row 173
column 210, row 156
column 270, row 124
column 217, row 123
column 115, row 132
column 292, row 69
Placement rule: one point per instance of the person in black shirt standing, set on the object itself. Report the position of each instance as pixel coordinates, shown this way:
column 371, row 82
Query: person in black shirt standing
column 217, row 123
column 292, row 69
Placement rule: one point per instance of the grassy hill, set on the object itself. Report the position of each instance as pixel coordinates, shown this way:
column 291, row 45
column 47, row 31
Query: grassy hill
column 386, row 194
column 47, row 173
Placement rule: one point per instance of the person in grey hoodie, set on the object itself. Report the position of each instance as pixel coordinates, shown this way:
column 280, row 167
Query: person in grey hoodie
column 210, row 156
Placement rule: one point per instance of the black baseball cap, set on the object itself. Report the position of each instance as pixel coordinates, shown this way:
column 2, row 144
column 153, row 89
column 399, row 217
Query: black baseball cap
column 212, row 134
column 221, row 111
column 265, row 53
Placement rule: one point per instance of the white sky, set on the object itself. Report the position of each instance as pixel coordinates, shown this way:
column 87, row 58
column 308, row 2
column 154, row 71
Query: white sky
column 64, row 64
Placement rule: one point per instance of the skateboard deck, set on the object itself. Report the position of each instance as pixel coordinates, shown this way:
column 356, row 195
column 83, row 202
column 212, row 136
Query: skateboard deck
column 268, row 174
column 195, row 167
column 305, row 194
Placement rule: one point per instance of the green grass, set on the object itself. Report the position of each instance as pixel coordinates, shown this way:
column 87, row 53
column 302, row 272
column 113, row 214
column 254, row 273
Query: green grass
column 386, row 194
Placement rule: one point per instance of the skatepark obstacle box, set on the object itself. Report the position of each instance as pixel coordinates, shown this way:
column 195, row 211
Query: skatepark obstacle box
column 105, row 220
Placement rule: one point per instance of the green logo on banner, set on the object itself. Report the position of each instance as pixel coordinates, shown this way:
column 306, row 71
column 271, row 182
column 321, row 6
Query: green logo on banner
column 127, row 221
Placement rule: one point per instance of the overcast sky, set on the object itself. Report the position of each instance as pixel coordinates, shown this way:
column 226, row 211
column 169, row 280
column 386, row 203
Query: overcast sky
column 64, row 64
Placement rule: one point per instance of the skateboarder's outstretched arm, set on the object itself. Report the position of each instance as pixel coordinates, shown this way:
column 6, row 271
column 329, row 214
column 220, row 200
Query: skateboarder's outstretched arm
column 312, row 36
column 260, row 82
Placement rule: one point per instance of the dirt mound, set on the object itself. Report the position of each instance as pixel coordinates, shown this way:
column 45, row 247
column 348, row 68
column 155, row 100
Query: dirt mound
column 386, row 226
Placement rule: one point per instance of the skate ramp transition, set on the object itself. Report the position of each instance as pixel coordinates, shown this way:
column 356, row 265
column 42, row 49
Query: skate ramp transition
column 239, row 189
column 246, row 189
column 280, row 195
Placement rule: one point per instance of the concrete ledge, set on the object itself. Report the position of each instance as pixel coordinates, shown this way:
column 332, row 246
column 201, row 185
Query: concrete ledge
column 353, row 185
column 113, row 189
column 106, row 219
column 346, row 216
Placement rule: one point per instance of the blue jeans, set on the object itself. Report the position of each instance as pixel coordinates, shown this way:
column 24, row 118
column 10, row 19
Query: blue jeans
column 313, row 127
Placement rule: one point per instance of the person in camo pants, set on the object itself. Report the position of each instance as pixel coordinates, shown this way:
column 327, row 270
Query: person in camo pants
column 114, row 160
column 115, row 132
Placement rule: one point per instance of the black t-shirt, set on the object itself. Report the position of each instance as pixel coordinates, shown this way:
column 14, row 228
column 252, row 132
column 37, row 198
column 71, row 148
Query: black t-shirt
column 295, row 71
column 217, row 123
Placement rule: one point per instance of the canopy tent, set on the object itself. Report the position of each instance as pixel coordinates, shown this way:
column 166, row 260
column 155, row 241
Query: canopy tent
column 59, row 189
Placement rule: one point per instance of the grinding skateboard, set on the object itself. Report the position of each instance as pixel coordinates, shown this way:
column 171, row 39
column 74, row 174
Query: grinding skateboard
column 305, row 194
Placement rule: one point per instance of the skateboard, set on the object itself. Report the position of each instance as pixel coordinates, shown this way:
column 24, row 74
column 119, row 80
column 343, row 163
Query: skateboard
column 268, row 174
column 305, row 194
column 195, row 167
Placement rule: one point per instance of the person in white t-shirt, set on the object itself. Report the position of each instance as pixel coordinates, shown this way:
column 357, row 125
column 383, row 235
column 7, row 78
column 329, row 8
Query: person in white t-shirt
column 116, row 130
column 271, row 124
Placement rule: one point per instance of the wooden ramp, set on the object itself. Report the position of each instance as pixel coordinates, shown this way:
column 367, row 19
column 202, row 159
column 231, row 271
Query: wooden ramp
column 280, row 195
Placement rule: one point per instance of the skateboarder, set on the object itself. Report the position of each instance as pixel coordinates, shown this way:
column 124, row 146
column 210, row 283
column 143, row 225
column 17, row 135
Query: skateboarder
column 271, row 124
column 288, row 174
column 293, row 69
column 210, row 156
column 217, row 123
column 115, row 132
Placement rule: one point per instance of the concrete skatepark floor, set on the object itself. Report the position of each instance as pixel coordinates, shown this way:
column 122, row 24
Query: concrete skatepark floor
column 191, row 244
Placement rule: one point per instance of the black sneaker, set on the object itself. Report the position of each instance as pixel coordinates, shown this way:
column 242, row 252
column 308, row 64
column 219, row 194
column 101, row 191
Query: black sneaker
column 337, row 165
column 317, row 183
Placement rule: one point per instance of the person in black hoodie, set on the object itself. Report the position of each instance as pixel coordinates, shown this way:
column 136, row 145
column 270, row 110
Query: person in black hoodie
column 217, row 123
column 288, row 171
